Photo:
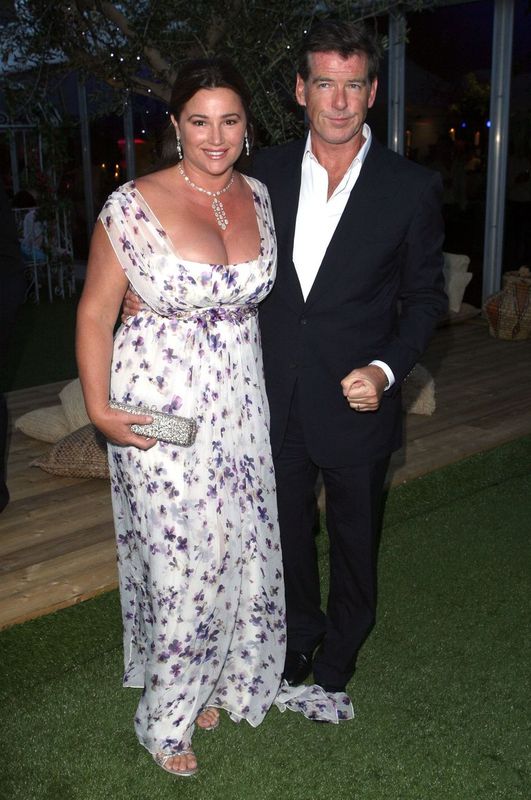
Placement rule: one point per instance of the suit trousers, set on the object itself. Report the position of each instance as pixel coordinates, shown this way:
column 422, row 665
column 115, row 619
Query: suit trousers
column 353, row 521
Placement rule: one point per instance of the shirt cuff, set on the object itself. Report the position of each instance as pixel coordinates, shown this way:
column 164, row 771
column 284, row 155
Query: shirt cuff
column 388, row 372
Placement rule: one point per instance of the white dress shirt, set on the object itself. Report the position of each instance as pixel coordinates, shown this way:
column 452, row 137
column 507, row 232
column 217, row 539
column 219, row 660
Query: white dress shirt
column 318, row 216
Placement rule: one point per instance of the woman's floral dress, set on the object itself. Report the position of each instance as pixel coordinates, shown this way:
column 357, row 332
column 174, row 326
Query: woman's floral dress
column 198, row 542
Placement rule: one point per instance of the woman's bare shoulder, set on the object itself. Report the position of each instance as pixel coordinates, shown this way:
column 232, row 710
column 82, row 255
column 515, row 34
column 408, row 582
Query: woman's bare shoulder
column 161, row 180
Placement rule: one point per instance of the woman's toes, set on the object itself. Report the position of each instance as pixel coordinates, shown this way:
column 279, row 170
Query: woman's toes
column 209, row 718
column 182, row 763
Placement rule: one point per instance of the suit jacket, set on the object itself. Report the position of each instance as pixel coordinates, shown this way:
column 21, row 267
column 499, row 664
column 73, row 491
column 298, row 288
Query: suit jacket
column 378, row 295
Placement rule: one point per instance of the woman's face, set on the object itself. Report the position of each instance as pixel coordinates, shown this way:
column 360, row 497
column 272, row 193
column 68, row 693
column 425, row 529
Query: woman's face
column 212, row 127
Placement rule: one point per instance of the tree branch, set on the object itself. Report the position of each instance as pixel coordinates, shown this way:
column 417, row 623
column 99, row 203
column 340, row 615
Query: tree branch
column 152, row 54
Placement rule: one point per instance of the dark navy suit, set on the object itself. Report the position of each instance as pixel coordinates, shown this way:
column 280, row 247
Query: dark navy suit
column 378, row 295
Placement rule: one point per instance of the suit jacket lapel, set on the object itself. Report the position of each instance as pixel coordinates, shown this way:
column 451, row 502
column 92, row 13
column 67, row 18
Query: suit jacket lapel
column 372, row 185
column 285, row 198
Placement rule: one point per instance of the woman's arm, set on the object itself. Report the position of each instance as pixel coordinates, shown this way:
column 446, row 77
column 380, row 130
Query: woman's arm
column 104, row 288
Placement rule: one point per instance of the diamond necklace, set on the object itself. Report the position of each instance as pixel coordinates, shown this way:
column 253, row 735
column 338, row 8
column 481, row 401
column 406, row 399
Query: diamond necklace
column 217, row 205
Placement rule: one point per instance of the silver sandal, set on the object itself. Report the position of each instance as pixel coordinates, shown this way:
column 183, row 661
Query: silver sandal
column 162, row 759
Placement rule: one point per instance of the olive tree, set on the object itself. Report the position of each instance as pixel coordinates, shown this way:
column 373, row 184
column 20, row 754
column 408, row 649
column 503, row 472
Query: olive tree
column 138, row 45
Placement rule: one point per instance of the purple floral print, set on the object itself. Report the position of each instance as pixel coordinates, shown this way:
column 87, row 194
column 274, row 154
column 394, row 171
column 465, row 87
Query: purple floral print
column 197, row 533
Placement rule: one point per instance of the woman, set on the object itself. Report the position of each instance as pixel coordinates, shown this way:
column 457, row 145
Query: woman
column 198, row 542
column 33, row 230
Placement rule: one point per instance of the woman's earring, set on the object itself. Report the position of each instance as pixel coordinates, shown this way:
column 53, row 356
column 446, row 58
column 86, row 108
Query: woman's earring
column 247, row 145
column 179, row 148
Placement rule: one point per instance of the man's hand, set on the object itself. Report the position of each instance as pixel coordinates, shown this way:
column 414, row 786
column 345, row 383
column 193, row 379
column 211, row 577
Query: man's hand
column 364, row 387
column 131, row 305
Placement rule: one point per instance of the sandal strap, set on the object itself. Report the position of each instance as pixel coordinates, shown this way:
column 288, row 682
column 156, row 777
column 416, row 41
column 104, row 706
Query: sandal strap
column 162, row 758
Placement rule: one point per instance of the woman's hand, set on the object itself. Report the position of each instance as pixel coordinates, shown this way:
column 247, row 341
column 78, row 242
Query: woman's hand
column 116, row 427
column 131, row 306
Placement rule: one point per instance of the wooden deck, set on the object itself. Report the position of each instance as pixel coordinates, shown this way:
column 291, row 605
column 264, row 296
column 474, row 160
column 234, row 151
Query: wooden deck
column 56, row 535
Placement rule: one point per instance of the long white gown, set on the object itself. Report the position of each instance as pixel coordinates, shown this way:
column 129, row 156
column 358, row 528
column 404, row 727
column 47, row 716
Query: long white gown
column 197, row 533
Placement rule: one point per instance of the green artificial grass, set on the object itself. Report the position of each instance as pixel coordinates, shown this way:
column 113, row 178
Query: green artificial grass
column 441, row 692
column 41, row 349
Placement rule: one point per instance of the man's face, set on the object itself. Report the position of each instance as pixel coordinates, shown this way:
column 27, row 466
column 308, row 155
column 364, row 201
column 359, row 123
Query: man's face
column 337, row 95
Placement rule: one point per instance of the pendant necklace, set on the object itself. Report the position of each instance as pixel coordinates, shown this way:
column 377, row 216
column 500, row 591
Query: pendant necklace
column 217, row 205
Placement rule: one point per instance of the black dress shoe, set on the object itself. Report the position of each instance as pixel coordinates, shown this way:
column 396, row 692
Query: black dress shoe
column 297, row 667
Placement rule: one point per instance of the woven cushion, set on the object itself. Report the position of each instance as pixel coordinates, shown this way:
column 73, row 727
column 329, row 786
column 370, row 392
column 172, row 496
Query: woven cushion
column 80, row 454
column 47, row 424
column 71, row 398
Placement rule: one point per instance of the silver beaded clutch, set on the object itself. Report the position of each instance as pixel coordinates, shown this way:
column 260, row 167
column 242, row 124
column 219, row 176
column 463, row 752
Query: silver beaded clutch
column 165, row 427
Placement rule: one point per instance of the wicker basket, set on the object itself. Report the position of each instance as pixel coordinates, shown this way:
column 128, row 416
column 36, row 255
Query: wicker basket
column 521, row 277
column 509, row 311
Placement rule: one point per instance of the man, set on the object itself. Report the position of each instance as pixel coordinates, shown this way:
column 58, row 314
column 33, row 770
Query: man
column 359, row 289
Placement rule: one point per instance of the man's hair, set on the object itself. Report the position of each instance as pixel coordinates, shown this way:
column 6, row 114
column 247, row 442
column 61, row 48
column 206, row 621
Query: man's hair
column 345, row 38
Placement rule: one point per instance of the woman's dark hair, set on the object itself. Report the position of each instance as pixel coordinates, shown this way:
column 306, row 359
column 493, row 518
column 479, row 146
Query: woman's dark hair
column 203, row 73
column 345, row 38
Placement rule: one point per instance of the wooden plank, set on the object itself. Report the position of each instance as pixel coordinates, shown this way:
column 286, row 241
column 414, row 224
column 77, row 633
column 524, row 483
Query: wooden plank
column 32, row 481
column 24, row 446
column 87, row 561
column 60, row 594
column 53, row 539
column 449, row 446
column 38, row 489
column 66, row 508
column 477, row 413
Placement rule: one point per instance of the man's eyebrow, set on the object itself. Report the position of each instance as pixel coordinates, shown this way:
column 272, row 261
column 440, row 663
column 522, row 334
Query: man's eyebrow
column 324, row 78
